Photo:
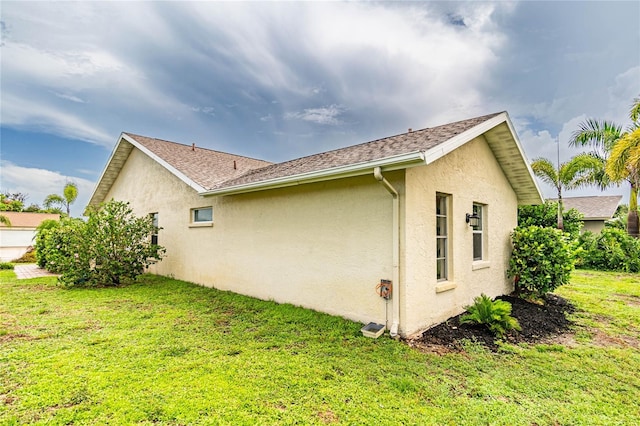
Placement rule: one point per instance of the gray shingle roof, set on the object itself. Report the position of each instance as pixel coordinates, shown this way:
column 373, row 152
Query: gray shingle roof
column 418, row 140
column 206, row 167
column 217, row 173
column 595, row 207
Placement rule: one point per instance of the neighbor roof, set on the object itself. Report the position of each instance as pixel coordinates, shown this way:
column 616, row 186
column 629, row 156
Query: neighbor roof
column 595, row 207
column 212, row 173
column 27, row 219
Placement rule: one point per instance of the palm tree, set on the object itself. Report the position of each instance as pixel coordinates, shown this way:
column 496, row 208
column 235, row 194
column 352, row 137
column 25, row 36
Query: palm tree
column 69, row 195
column 603, row 137
column 624, row 164
column 581, row 170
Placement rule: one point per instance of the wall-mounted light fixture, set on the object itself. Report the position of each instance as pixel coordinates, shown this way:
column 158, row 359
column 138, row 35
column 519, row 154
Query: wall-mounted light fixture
column 473, row 219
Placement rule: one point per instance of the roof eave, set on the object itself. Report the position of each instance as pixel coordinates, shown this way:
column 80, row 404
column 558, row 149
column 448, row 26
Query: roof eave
column 100, row 187
column 396, row 162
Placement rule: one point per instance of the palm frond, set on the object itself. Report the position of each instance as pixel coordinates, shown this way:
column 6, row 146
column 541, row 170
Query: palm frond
column 52, row 200
column 623, row 158
column 582, row 170
column 546, row 171
column 634, row 114
column 600, row 135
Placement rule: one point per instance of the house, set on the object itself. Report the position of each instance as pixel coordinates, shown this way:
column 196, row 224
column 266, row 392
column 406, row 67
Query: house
column 16, row 239
column 596, row 210
column 376, row 232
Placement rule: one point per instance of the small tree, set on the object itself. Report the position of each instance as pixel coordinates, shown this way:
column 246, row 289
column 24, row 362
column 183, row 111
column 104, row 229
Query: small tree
column 111, row 247
column 68, row 197
column 541, row 261
column 42, row 236
column 122, row 246
column 545, row 215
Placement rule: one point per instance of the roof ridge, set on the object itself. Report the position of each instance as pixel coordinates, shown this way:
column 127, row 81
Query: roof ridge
column 134, row 135
column 484, row 117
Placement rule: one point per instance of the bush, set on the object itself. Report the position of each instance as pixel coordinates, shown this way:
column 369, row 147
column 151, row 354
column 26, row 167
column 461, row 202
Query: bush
column 541, row 261
column 111, row 247
column 28, row 257
column 546, row 216
column 6, row 265
column 42, row 231
column 611, row 250
column 496, row 315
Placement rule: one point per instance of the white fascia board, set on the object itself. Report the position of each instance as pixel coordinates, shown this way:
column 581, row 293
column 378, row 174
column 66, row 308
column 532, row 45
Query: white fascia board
column 104, row 171
column 164, row 164
column 387, row 164
column 457, row 141
column 523, row 155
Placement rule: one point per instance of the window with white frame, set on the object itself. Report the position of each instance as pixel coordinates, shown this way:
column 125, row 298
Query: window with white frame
column 202, row 215
column 442, row 237
column 154, row 220
column 478, row 232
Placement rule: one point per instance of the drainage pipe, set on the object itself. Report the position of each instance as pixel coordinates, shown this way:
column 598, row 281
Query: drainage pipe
column 395, row 295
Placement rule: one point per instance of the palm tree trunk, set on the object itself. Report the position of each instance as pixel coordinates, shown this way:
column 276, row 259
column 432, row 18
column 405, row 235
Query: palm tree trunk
column 632, row 217
column 560, row 209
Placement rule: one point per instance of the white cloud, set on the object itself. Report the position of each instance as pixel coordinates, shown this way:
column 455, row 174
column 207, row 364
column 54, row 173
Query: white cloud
column 38, row 183
column 325, row 115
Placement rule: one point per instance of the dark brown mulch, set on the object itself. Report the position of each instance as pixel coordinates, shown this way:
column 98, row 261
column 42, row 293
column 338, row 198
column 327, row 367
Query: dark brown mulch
column 539, row 322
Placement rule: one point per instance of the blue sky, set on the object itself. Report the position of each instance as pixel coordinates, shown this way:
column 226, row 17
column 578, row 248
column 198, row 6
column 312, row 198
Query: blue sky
column 281, row 80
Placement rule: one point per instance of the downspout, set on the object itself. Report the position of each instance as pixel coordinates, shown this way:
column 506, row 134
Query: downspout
column 395, row 296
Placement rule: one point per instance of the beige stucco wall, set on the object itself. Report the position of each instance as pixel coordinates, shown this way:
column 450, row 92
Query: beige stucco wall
column 469, row 174
column 323, row 246
column 326, row 245
column 595, row 226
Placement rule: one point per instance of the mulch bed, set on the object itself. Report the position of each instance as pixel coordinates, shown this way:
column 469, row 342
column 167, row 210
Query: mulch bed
column 539, row 323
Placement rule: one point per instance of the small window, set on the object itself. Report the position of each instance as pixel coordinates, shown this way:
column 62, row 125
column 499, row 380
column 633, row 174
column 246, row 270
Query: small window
column 154, row 236
column 202, row 215
column 442, row 239
column 478, row 235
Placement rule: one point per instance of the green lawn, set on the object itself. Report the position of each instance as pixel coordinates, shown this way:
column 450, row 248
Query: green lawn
column 169, row 352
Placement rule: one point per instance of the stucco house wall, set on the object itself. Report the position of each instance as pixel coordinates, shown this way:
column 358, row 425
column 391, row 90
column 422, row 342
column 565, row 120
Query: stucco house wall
column 468, row 175
column 323, row 246
column 322, row 231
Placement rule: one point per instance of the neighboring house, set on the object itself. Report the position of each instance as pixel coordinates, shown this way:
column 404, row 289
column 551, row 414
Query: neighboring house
column 325, row 230
column 596, row 210
column 17, row 238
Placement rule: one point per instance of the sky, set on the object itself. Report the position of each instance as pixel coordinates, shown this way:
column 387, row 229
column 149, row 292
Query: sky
column 280, row 80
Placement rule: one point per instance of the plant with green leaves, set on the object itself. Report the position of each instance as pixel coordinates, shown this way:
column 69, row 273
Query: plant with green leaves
column 42, row 234
column 618, row 153
column 610, row 250
column 541, row 261
column 112, row 247
column 495, row 314
column 580, row 171
column 545, row 215
column 121, row 246
column 4, row 219
column 68, row 197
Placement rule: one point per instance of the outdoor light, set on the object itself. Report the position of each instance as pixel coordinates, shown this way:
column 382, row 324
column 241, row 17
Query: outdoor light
column 473, row 220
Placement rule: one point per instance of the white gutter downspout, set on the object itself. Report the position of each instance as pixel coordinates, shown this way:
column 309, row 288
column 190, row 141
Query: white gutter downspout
column 395, row 295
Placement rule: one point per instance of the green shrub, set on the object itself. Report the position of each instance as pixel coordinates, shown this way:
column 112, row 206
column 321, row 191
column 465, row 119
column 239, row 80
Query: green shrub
column 611, row 250
column 42, row 231
column 546, row 216
column 28, row 257
column 541, row 261
column 112, row 246
column 496, row 315
column 6, row 265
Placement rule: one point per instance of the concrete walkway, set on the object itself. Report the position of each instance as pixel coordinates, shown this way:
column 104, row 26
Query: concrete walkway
column 31, row 270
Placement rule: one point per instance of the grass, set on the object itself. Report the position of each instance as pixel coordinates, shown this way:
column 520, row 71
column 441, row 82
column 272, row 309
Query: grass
column 164, row 351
